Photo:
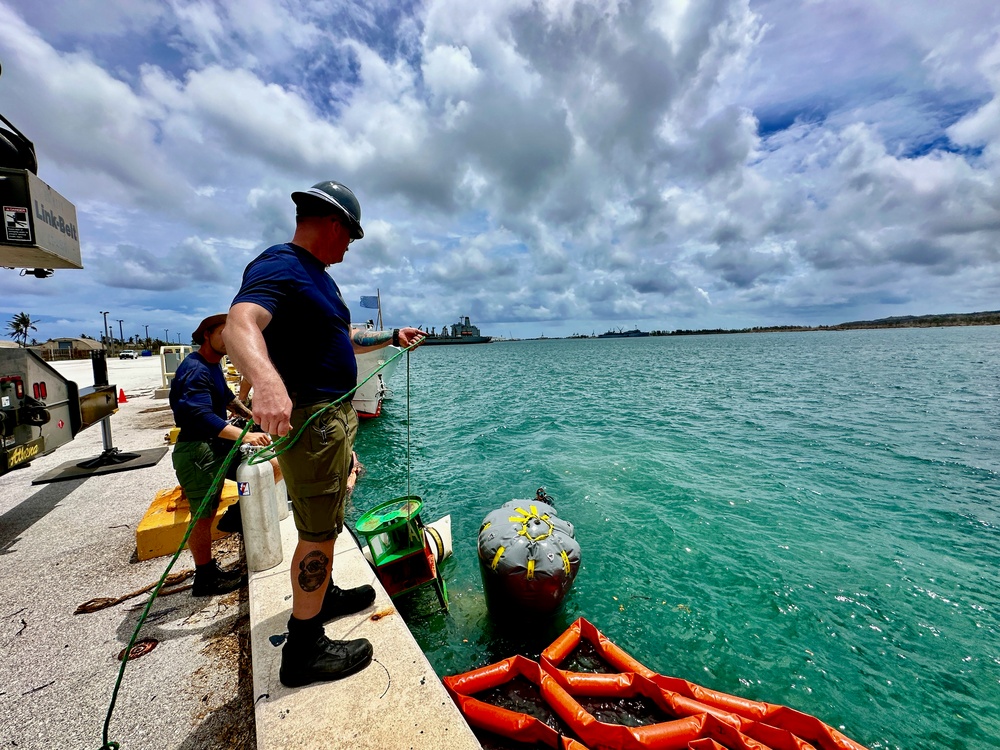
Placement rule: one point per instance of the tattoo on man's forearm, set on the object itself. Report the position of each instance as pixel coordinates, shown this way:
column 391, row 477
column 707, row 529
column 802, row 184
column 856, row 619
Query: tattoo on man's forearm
column 371, row 338
column 312, row 570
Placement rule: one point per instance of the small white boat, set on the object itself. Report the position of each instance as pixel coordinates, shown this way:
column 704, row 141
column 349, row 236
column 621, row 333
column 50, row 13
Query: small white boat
column 367, row 400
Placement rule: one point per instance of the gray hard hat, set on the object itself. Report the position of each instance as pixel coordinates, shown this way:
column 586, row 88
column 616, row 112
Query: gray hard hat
column 327, row 198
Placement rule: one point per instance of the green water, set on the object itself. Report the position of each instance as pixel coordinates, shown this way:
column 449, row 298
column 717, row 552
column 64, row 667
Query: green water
column 809, row 519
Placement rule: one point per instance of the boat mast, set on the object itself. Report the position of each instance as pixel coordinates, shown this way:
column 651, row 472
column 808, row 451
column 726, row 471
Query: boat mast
column 378, row 295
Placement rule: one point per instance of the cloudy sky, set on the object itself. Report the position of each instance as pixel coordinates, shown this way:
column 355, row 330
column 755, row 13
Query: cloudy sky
column 548, row 167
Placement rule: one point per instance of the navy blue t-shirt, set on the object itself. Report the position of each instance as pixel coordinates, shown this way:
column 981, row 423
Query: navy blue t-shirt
column 199, row 396
column 309, row 336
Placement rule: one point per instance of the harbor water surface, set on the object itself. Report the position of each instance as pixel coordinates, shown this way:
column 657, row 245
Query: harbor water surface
column 809, row 519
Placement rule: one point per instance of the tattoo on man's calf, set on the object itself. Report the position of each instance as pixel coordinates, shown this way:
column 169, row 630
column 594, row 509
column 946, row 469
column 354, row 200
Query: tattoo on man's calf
column 312, row 570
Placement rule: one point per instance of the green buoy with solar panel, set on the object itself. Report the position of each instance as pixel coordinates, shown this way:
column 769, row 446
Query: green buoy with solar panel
column 405, row 552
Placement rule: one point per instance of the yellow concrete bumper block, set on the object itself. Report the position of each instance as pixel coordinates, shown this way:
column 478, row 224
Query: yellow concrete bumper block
column 162, row 528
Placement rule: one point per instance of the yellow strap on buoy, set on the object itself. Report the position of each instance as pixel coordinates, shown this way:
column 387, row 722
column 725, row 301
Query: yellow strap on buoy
column 531, row 570
column 496, row 558
column 486, row 526
column 565, row 559
column 545, row 535
column 523, row 520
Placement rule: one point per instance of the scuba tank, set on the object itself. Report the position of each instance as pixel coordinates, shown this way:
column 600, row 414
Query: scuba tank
column 259, row 509
column 280, row 497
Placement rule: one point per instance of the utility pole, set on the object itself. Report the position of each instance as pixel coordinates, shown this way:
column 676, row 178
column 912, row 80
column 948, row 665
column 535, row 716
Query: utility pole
column 166, row 335
column 104, row 340
column 121, row 331
column 146, row 326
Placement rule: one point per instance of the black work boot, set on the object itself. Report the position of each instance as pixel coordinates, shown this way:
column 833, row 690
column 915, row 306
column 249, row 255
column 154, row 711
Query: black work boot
column 309, row 656
column 339, row 602
column 231, row 521
column 211, row 580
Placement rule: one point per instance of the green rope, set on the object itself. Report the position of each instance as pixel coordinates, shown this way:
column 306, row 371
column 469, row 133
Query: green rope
column 264, row 454
column 282, row 444
column 152, row 597
column 407, row 424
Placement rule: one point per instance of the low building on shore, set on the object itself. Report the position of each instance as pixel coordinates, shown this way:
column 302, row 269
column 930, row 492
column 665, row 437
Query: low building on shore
column 66, row 348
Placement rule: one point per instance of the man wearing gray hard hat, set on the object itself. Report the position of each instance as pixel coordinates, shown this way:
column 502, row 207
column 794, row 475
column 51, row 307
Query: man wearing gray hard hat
column 289, row 332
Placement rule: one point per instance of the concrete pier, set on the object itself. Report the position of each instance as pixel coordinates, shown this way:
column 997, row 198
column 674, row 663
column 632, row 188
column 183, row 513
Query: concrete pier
column 397, row 702
column 68, row 542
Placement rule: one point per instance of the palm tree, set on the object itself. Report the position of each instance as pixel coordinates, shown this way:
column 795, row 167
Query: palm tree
column 19, row 327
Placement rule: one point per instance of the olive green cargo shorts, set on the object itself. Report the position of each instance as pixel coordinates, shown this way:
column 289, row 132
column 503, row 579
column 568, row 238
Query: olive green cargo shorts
column 196, row 463
column 316, row 469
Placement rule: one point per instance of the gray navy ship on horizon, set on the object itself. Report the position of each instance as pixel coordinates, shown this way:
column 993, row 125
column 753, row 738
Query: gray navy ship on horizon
column 462, row 332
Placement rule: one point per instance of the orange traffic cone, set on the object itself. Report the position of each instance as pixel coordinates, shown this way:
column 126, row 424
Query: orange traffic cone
column 121, row 396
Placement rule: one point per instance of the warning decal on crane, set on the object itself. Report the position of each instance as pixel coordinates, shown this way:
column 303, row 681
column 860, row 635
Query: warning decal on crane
column 15, row 221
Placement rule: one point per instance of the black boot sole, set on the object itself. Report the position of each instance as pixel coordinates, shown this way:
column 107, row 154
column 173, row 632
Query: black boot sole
column 213, row 592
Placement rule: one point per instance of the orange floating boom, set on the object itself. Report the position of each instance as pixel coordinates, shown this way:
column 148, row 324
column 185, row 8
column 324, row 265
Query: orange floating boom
column 703, row 719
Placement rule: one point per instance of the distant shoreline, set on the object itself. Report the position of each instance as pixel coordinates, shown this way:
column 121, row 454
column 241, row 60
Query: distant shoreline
column 947, row 320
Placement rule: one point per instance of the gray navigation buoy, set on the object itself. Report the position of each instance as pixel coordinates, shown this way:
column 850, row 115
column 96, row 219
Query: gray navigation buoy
column 528, row 557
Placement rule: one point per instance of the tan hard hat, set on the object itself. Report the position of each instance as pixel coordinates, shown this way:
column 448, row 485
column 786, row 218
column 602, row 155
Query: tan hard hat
column 206, row 325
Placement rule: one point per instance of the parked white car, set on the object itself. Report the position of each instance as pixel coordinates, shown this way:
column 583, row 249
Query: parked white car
column 127, row 354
